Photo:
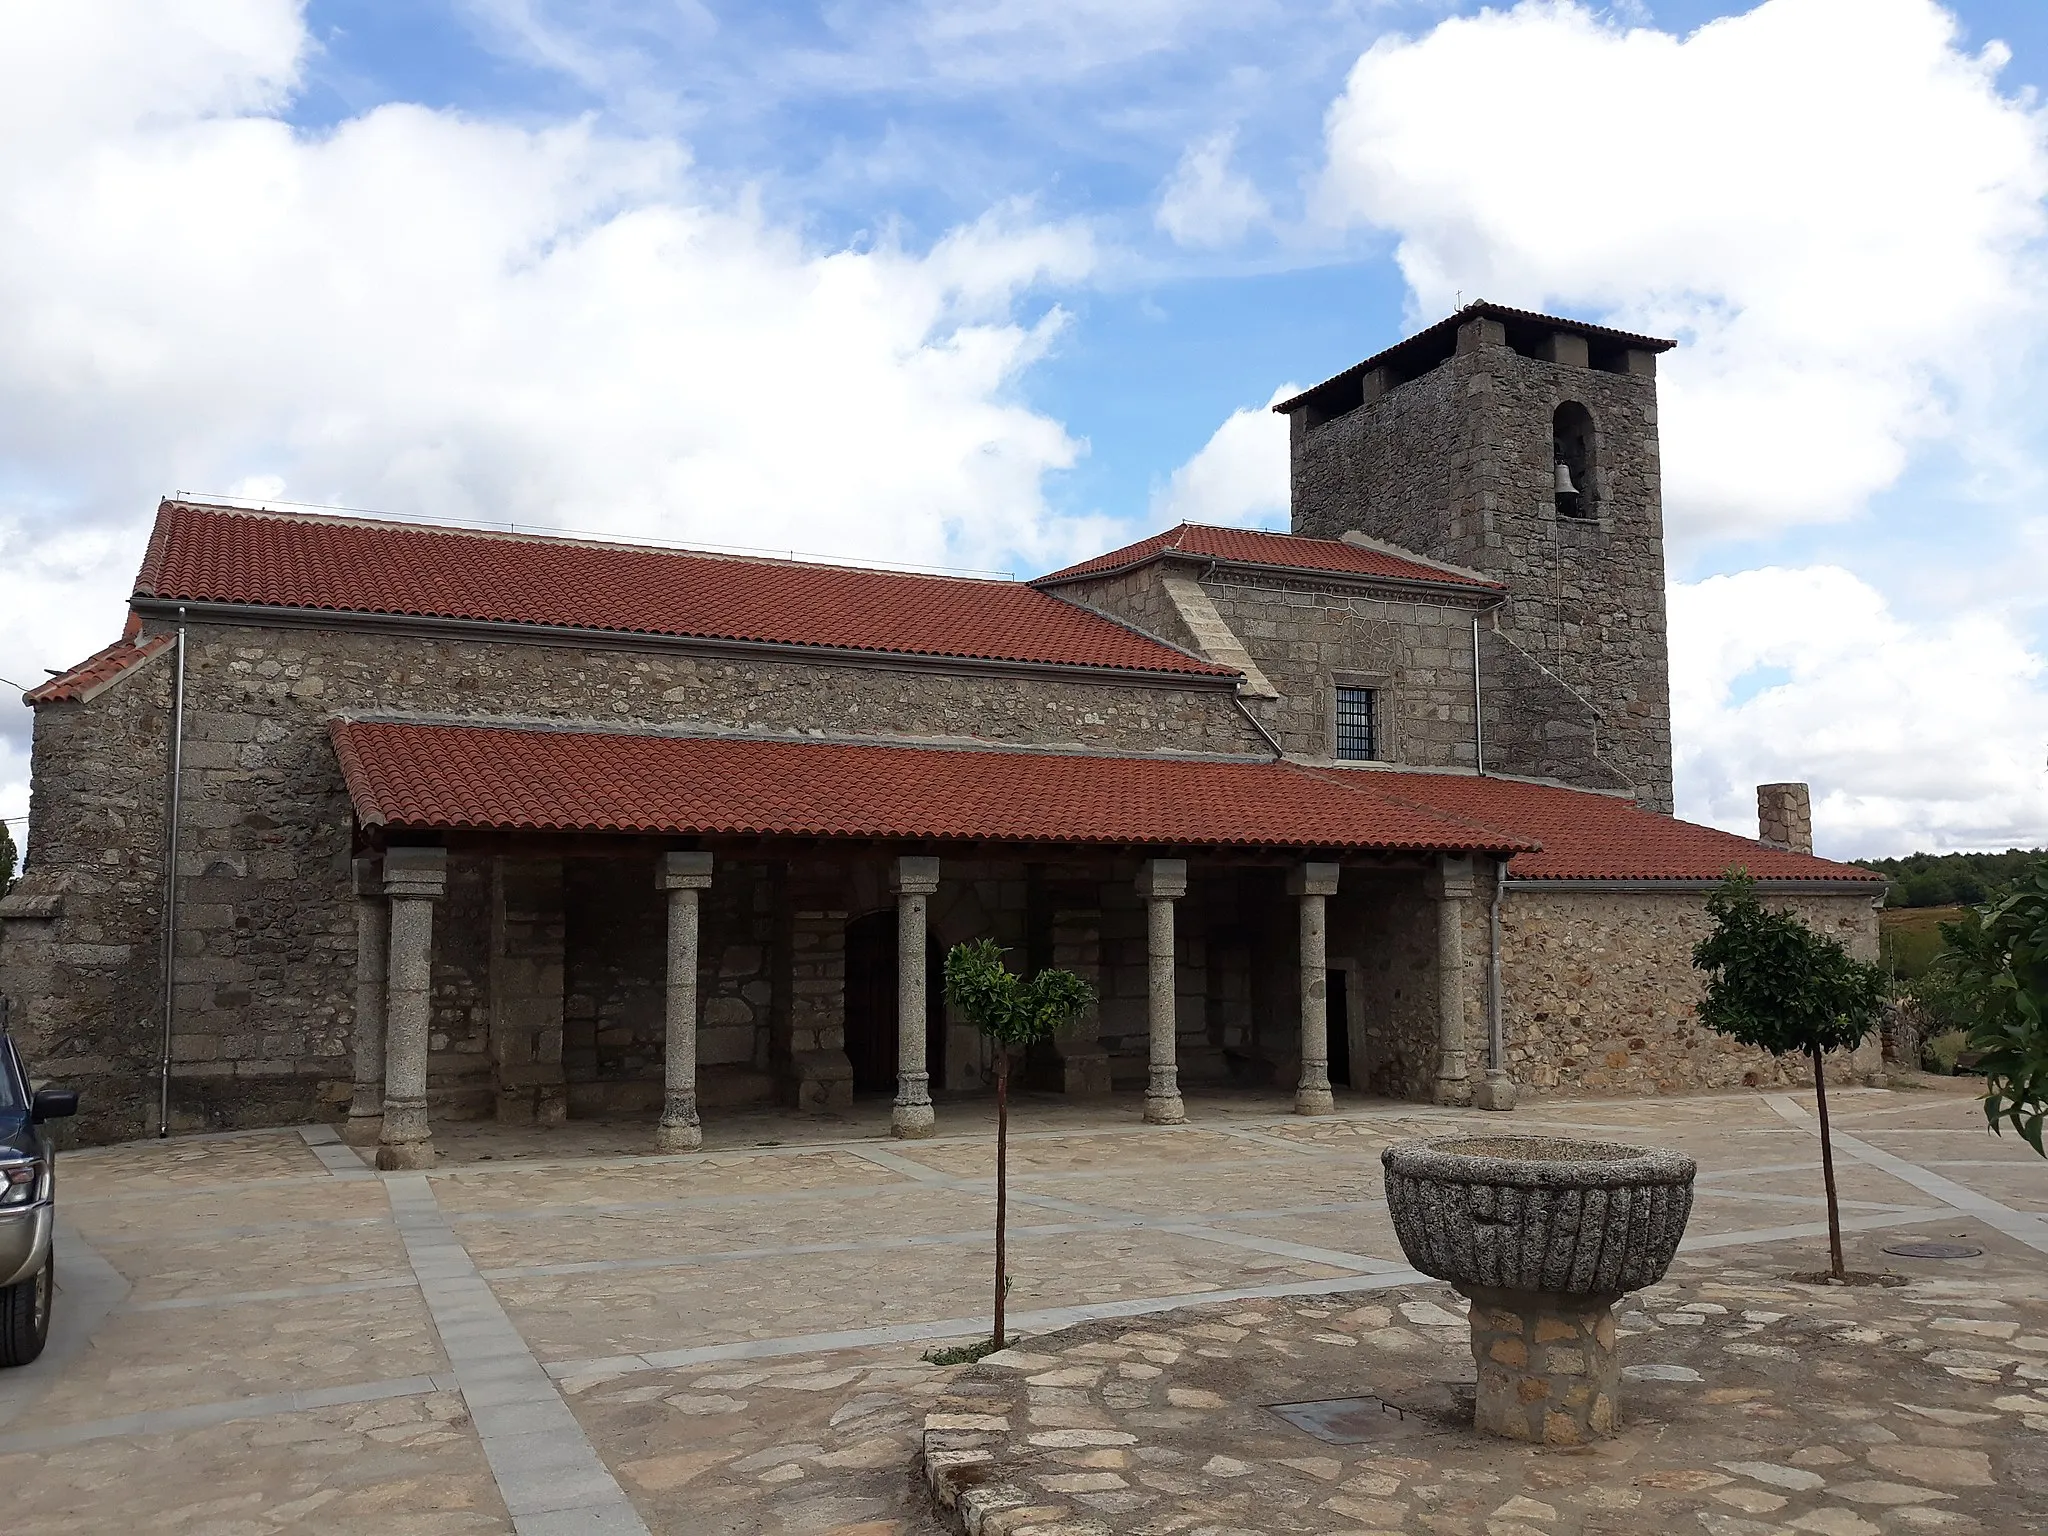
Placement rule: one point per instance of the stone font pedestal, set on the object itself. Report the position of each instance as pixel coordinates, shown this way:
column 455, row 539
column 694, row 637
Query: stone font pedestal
column 1549, row 1371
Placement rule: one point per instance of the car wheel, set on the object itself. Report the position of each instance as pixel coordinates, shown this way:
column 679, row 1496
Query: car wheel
column 25, row 1314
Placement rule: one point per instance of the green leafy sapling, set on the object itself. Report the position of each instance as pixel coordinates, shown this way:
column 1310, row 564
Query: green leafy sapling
column 1015, row 1014
column 1773, row 982
column 1997, row 962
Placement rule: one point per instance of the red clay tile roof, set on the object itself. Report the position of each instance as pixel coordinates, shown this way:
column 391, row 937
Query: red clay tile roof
column 457, row 777
column 425, row 777
column 94, row 674
column 1601, row 837
column 224, row 555
column 1251, row 546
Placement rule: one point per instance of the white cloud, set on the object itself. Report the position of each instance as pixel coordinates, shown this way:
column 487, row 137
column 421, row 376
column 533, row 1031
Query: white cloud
column 1914, row 735
column 1205, row 201
column 434, row 315
column 1836, row 209
column 1239, row 476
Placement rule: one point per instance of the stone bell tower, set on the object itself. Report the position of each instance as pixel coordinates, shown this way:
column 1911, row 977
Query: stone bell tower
column 1525, row 447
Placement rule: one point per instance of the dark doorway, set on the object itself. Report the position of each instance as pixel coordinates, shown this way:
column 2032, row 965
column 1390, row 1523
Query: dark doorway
column 871, row 1004
column 1338, row 1029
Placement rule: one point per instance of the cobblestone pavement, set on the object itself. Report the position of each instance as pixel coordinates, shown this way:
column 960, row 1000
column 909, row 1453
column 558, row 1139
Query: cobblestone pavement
column 554, row 1333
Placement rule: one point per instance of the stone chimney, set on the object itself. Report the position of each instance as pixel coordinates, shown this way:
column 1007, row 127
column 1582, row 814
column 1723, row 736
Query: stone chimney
column 1784, row 816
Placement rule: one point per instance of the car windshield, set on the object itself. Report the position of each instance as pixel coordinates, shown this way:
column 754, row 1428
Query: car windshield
column 10, row 1091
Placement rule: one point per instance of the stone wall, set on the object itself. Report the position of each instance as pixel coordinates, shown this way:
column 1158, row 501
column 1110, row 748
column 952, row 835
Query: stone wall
column 1602, row 996
column 79, row 935
column 267, row 941
column 615, row 999
column 1309, row 637
column 1385, row 926
column 1457, row 464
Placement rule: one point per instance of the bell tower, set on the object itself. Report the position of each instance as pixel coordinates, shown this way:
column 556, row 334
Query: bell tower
column 1523, row 446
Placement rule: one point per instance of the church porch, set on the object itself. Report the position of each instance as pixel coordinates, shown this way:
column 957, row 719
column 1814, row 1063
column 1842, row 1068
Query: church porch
column 597, row 978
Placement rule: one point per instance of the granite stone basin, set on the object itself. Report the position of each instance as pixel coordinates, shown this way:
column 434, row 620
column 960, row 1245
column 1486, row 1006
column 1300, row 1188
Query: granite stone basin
column 1542, row 1234
column 1538, row 1213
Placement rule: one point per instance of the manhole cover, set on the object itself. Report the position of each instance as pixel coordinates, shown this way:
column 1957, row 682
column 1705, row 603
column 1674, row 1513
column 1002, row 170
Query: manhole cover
column 1934, row 1251
column 1347, row 1420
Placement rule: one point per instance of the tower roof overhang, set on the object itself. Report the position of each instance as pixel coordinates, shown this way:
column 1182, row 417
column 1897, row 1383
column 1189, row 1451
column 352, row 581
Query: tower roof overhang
column 1434, row 344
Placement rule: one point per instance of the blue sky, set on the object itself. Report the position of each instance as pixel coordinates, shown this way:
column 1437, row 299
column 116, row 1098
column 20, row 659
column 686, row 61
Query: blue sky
column 847, row 132
column 999, row 282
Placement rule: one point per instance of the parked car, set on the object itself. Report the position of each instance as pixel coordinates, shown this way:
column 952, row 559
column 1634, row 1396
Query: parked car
column 28, row 1202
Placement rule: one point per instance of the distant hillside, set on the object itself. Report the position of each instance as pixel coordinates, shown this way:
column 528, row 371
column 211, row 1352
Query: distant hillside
column 1950, row 879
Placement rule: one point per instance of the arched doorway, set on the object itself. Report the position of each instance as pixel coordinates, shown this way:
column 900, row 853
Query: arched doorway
column 871, row 1004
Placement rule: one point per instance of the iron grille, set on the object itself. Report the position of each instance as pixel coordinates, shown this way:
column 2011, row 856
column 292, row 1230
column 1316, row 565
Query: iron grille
column 1358, row 724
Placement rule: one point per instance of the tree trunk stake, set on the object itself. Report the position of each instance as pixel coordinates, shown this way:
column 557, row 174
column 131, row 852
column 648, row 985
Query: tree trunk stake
column 1002, row 1176
column 1827, row 1166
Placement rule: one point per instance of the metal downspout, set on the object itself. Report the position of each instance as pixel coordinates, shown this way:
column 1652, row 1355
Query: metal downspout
column 170, row 966
column 1496, row 1022
column 1246, row 710
column 1478, row 714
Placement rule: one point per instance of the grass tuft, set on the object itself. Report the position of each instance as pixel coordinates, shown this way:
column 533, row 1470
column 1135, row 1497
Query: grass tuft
column 965, row 1354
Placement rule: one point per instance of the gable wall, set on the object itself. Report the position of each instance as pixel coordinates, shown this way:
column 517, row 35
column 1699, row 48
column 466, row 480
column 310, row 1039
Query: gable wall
column 1305, row 635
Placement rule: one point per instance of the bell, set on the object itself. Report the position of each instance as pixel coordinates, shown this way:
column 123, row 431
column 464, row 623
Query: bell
column 1564, row 480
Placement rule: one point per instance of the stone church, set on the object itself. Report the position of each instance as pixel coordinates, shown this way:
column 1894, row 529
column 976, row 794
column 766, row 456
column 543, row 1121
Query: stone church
column 393, row 824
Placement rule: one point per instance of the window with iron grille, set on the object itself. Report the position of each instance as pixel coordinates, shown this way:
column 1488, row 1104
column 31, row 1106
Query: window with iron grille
column 1358, row 735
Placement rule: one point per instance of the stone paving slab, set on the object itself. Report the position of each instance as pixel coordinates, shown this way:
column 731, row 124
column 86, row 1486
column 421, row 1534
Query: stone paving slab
column 205, row 1264
column 597, row 1235
column 406, row 1467
column 147, row 1360
column 1068, row 1151
column 511, row 1186
column 216, row 1406
column 805, row 1445
column 148, row 1216
column 634, row 1311
column 1239, row 1184
column 1755, row 1407
column 138, row 1167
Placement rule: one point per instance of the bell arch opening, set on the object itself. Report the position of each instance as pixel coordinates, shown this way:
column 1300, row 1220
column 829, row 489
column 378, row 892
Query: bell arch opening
column 1572, row 453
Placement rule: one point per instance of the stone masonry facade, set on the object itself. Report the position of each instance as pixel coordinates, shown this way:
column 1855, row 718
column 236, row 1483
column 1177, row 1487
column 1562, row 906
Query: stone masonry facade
column 548, row 994
column 266, row 949
column 1458, row 464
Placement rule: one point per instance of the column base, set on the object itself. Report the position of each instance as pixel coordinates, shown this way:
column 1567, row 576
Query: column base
column 405, row 1156
column 1453, row 1078
column 686, row 1137
column 913, row 1122
column 407, row 1141
column 363, row 1130
column 679, row 1129
column 1494, row 1091
column 1164, row 1109
column 1549, row 1368
column 1309, row 1100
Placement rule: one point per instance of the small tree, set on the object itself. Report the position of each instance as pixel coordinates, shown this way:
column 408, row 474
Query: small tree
column 1997, row 959
column 1014, row 1013
column 6, row 859
column 1773, row 982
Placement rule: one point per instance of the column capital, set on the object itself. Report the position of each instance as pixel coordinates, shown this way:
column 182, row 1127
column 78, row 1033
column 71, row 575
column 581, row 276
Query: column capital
column 1163, row 879
column 683, row 872
column 1451, row 880
column 368, row 873
column 914, row 875
column 421, row 873
column 1310, row 878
